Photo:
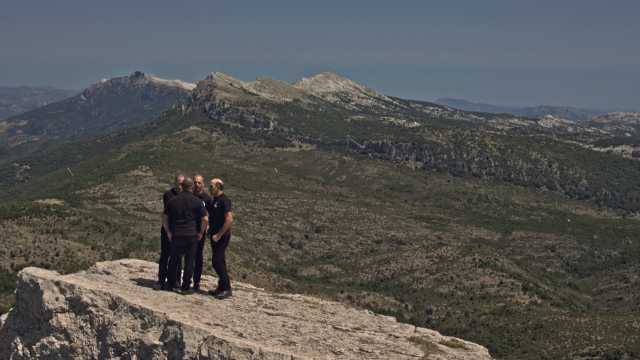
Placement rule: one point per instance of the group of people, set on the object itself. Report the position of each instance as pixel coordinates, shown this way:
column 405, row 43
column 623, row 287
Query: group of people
column 190, row 217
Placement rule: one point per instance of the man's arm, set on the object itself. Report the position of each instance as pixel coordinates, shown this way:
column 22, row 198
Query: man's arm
column 165, row 199
column 206, row 227
column 165, row 224
column 228, row 221
column 204, row 224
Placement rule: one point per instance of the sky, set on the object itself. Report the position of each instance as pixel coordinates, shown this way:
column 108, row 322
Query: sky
column 582, row 53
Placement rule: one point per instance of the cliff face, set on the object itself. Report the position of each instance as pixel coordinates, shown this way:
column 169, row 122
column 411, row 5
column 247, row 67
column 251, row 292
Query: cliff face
column 111, row 311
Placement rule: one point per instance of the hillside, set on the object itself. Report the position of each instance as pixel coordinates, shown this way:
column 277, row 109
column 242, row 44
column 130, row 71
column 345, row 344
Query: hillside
column 489, row 228
column 19, row 99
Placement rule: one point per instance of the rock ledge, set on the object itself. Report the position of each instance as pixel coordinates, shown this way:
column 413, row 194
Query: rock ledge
column 111, row 312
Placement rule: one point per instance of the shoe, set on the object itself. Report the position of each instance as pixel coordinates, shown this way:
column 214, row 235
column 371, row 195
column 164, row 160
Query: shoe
column 158, row 286
column 167, row 287
column 223, row 294
column 186, row 291
column 196, row 287
column 214, row 292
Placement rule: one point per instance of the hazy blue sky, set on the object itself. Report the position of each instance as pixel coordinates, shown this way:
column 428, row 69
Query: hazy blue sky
column 563, row 52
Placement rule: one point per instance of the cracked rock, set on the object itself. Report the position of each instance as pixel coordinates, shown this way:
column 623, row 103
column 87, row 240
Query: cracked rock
column 111, row 312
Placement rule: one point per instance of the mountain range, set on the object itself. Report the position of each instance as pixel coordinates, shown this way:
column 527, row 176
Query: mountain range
column 517, row 233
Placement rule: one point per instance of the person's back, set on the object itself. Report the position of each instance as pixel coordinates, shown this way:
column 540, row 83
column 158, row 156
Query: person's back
column 170, row 194
column 184, row 212
column 185, row 222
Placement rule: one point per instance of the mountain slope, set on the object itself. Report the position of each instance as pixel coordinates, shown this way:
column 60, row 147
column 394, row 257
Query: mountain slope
column 427, row 137
column 105, row 106
column 16, row 100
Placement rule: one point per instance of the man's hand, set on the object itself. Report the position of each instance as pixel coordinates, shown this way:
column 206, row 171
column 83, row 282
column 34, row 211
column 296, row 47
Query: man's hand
column 201, row 236
column 215, row 237
column 169, row 236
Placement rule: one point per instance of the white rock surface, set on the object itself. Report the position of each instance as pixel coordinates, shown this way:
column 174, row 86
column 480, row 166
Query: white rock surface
column 111, row 312
column 174, row 83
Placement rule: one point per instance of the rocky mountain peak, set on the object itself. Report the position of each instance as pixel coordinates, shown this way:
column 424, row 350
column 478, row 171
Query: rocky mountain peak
column 138, row 78
column 340, row 90
column 137, row 82
column 111, row 311
column 219, row 86
column 223, row 86
column 276, row 90
column 222, row 78
column 327, row 86
column 171, row 83
column 137, row 75
column 329, row 82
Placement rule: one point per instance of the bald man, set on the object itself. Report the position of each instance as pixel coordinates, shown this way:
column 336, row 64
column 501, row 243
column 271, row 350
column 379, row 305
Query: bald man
column 220, row 221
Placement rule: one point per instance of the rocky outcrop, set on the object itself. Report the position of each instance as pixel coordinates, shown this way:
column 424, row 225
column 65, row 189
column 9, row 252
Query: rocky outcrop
column 111, row 312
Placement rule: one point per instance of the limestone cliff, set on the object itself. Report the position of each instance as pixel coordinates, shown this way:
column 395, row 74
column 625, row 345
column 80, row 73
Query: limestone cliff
column 111, row 312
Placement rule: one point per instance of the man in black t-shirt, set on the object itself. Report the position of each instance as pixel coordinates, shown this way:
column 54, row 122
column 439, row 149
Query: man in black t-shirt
column 220, row 220
column 163, row 263
column 185, row 221
column 199, row 192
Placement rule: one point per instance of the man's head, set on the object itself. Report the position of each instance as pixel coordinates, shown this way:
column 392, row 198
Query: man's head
column 178, row 181
column 198, row 181
column 216, row 186
column 187, row 185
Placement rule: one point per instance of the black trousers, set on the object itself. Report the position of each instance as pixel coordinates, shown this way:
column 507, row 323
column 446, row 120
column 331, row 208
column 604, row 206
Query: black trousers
column 199, row 263
column 182, row 247
column 163, row 263
column 219, row 262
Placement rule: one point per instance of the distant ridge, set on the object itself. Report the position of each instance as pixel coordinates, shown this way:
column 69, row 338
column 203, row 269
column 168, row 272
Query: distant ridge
column 18, row 99
column 564, row 112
